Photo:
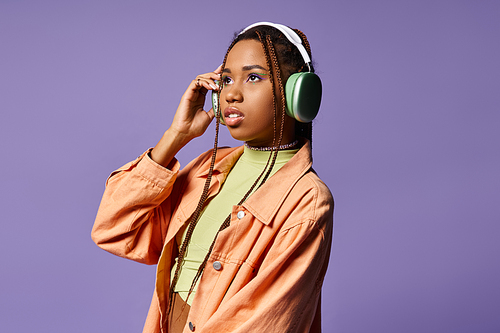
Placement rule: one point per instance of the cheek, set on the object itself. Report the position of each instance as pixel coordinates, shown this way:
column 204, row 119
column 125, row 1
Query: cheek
column 265, row 100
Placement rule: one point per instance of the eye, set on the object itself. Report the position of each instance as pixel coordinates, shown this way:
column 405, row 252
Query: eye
column 254, row 78
column 226, row 80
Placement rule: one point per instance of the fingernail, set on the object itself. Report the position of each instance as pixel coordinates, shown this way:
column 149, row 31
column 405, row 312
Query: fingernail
column 214, row 87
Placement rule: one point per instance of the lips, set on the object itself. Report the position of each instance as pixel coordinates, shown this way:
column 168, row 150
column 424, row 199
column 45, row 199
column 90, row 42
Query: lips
column 232, row 116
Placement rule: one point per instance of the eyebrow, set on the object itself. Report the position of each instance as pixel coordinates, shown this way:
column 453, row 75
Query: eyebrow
column 246, row 68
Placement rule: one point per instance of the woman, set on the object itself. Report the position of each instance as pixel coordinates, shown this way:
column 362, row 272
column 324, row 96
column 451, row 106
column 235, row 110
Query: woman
column 241, row 236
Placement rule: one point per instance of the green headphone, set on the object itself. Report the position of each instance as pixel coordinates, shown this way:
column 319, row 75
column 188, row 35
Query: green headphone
column 302, row 90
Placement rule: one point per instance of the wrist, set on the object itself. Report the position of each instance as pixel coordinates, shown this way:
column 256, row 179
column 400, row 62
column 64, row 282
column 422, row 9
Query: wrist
column 169, row 145
column 176, row 138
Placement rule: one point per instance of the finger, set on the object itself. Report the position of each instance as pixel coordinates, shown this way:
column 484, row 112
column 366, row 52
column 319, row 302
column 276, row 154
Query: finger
column 215, row 75
column 211, row 114
column 209, row 76
column 206, row 83
column 218, row 70
column 201, row 85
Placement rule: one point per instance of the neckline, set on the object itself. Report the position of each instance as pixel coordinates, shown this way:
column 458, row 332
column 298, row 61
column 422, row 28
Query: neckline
column 261, row 157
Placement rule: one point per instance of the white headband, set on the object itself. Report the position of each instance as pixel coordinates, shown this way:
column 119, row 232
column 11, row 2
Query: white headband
column 289, row 33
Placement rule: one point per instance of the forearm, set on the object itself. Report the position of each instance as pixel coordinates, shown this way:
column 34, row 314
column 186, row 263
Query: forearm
column 168, row 146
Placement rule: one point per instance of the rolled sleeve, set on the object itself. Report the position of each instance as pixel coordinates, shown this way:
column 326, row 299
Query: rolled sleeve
column 130, row 222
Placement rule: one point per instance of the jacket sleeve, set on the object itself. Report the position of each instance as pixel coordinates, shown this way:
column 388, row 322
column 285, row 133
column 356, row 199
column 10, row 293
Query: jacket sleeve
column 284, row 295
column 135, row 210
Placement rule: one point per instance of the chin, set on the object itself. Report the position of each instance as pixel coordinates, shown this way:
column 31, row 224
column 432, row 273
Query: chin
column 237, row 135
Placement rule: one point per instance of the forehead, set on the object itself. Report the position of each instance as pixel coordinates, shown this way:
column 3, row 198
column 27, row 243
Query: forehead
column 244, row 53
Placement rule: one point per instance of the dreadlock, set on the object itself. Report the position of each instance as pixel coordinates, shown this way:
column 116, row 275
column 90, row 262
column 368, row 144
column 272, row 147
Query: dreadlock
column 277, row 50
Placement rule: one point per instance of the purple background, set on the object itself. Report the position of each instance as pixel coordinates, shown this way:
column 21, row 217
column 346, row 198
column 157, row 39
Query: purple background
column 407, row 140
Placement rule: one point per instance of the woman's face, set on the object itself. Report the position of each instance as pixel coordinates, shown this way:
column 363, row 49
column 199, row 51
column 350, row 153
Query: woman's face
column 247, row 97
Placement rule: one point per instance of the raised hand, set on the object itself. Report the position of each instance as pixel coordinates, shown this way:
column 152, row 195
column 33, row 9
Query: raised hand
column 190, row 120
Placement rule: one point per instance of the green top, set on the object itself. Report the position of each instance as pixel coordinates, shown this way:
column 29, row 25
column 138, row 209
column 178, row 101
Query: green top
column 239, row 180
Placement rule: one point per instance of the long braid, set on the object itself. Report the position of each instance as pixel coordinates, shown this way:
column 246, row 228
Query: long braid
column 277, row 73
column 271, row 80
column 196, row 214
column 267, row 167
column 194, row 219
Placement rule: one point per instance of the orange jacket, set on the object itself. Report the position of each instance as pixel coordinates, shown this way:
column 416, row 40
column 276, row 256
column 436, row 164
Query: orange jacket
column 266, row 269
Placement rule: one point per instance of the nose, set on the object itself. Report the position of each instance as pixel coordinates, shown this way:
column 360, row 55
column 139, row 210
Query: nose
column 233, row 93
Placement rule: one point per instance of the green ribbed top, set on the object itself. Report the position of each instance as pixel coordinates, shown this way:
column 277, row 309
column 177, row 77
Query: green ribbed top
column 238, row 182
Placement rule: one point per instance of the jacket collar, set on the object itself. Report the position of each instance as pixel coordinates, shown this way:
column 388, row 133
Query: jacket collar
column 224, row 162
column 266, row 201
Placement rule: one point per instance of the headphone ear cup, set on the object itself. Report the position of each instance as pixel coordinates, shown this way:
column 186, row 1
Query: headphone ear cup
column 303, row 96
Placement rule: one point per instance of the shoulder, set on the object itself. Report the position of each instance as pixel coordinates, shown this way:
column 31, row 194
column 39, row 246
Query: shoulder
column 312, row 180
column 312, row 202
column 311, row 185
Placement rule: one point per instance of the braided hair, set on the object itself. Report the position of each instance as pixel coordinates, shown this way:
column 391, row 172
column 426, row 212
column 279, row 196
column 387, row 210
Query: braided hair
column 283, row 59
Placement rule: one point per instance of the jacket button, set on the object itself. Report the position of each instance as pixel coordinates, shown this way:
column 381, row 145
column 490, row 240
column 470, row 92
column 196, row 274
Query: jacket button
column 240, row 215
column 217, row 266
column 191, row 326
